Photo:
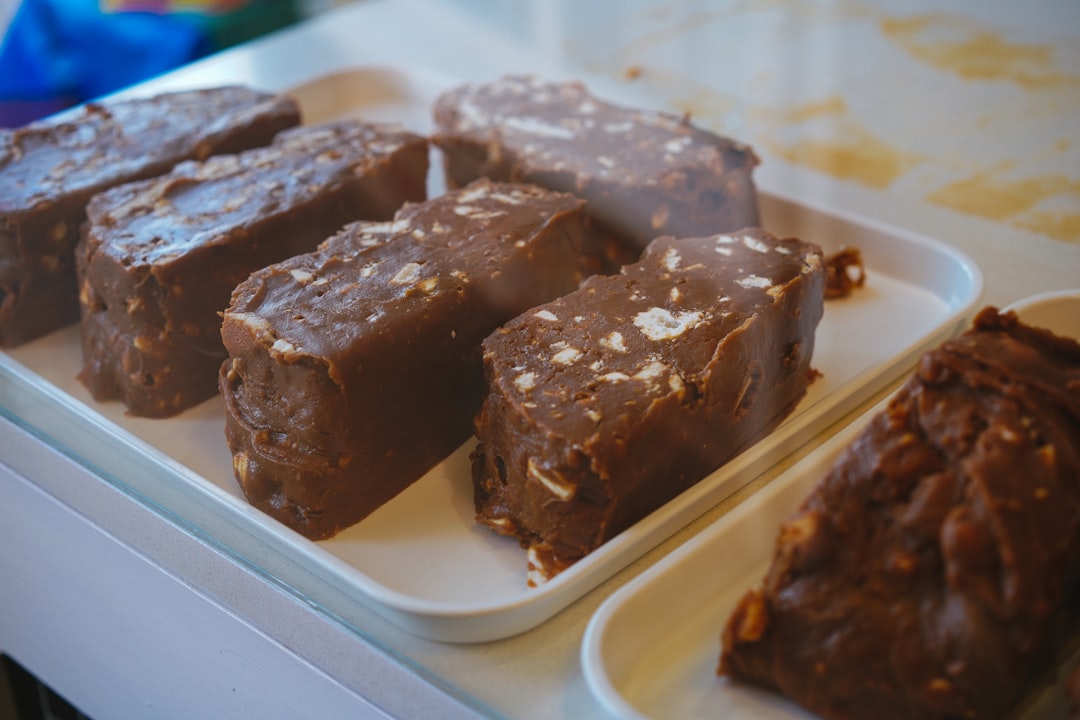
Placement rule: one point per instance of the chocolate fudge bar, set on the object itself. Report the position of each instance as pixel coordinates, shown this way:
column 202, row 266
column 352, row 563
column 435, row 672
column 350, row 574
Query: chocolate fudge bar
column 935, row 570
column 604, row 404
column 643, row 173
column 161, row 257
column 50, row 169
column 355, row 369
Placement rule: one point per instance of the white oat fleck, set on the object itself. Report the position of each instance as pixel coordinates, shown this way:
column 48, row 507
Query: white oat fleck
column 546, row 314
column 538, row 573
column 474, row 193
column 754, row 244
column 488, row 215
column 301, row 276
column 676, row 145
column 661, row 324
column 536, row 126
column 566, row 356
column 724, row 250
column 671, row 260
column 754, row 281
column 552, row 480
column 507, row 199
column 407, row 274
column 525, row 382
column 651, row 372
column 387, row 228
column 593, row 415
column 282, row 346
column 614, row 341
column 257, row 325
column 614, row 377
column 675, row 382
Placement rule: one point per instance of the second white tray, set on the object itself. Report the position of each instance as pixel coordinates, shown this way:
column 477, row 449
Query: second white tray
column 652, row 649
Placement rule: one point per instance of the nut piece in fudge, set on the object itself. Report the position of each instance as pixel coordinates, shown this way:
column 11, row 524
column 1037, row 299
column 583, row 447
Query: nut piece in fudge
column 934, row 570
column 643, row 173
column 50, row 169
column 606, row 403
column 355, row 369
column 161, row 257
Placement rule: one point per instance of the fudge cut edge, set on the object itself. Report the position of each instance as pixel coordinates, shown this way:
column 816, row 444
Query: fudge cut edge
column 604, row 404
column 335, row 404
column 161, row 257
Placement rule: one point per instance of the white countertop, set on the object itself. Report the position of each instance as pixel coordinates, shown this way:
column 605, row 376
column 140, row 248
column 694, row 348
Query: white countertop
column 957, row 120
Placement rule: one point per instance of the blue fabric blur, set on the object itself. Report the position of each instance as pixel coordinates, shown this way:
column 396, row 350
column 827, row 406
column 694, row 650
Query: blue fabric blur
column 58, row 53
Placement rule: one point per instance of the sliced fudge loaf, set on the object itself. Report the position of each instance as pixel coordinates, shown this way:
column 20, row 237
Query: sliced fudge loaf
column 935, row 570
column 50, row 169
column 644, row 173
column 355, row 369
column 604, row 404
column 161, row 257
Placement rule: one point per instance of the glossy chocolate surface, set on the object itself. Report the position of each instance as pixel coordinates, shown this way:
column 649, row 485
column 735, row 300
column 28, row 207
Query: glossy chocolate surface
column 935, row 570
column 643, row 173
column 50, row 169
column 606, row 403
column 161, row 257
column 355, row 369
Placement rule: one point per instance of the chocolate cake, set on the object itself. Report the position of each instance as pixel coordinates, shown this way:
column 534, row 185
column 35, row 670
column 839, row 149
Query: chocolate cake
column 50, row 169
column 606, row 403
column 160, row 257
column 934, row 571
column 355, row 369
column 643, row 173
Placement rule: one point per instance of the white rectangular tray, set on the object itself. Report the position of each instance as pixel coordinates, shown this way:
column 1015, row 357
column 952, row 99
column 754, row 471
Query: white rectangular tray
column 420, row 560
column 652, row 649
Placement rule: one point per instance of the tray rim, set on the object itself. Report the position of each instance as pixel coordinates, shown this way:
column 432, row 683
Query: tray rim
column 472, row 623
column 598, row 630
column 649, row 582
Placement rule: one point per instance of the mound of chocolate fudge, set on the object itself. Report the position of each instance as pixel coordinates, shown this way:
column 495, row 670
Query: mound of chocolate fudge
column 934, row 571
